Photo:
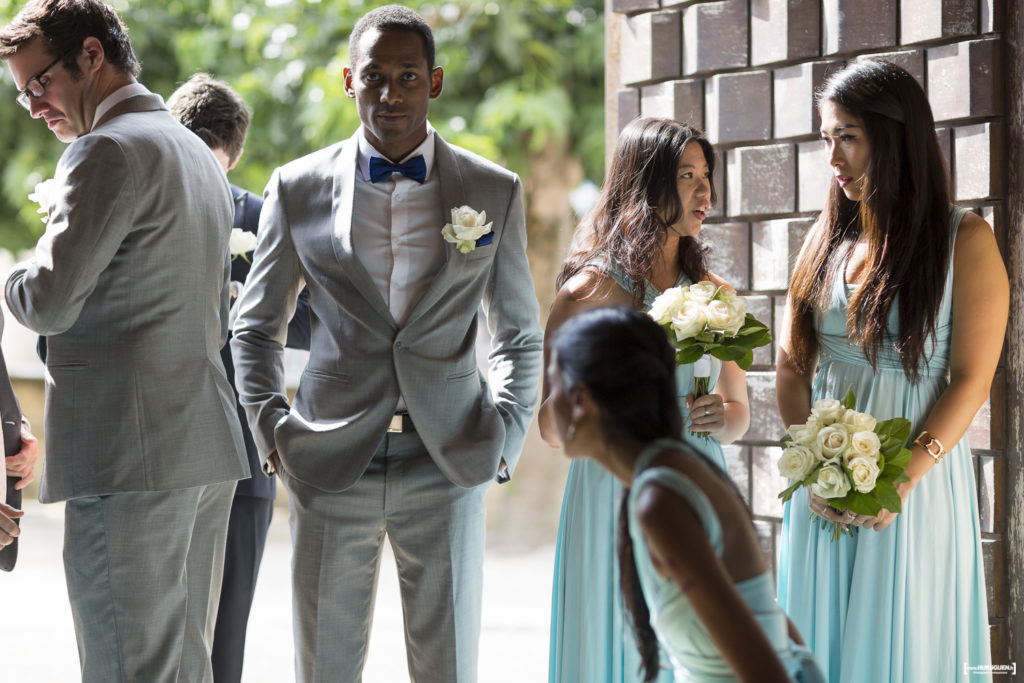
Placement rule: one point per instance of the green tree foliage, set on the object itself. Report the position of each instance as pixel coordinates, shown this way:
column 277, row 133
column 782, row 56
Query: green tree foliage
column 519, row 75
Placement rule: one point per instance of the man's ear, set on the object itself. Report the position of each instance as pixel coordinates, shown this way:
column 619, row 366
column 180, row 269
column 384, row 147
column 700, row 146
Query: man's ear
column 93, row 56
column 436, row 82
column 347, row 75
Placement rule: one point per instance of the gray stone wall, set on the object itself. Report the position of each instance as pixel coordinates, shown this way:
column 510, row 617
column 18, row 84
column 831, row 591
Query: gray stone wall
column 745, row 71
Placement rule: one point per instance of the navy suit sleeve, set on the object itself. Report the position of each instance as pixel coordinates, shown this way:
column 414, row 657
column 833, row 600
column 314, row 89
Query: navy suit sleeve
column 299, row 326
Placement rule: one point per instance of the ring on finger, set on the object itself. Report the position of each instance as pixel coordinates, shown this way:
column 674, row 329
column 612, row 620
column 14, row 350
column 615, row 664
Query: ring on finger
column 707, row 411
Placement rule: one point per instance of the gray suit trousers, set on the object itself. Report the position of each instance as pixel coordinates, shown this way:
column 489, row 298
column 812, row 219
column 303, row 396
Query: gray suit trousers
column 144, row 573
column 436, row 530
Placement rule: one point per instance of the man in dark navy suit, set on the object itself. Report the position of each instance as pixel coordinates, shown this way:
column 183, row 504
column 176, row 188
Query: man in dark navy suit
column 216, row 113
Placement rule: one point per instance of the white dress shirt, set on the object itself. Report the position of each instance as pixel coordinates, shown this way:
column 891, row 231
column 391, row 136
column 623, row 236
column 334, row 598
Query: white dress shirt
column 396, row 230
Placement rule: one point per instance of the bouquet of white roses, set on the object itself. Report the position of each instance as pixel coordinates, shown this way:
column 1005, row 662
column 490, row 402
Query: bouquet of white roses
column 704, row 319
column 848, row 458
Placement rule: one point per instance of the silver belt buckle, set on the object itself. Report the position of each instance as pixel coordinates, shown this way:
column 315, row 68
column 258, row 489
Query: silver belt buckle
column 395, row 427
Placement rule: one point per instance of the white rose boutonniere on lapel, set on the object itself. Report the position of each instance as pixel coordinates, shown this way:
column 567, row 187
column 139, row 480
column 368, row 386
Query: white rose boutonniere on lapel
column 468, row 230
column 240, row 243
column 41, row 196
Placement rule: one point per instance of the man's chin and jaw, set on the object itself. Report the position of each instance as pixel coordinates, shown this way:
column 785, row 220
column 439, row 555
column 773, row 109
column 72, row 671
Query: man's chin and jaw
column 394, row 124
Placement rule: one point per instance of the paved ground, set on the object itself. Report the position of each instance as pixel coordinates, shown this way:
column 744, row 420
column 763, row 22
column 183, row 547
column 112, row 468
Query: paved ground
column 37, row 644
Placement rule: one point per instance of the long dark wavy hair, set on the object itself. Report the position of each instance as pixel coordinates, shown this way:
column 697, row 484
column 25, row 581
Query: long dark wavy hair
column 903, row 214
column 638, row 204
column 624, row 359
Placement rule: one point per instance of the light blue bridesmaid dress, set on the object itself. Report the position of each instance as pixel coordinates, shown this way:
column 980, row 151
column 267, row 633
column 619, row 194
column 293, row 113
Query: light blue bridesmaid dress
column 906, row 604
column 680, row 631
column 591, row 641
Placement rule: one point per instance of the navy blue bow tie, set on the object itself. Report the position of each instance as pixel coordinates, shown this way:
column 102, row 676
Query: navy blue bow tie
column 414, row 169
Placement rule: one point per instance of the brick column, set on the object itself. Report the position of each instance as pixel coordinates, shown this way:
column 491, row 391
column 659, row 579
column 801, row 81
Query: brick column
column 746, row 71
column 1012, row 485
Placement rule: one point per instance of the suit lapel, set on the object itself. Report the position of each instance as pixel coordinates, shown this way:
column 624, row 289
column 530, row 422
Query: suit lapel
column 341, row 222
column 453, row 194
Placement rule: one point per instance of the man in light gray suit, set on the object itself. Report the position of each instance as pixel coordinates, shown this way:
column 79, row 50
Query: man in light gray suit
column 394, row 431
column 129, row 284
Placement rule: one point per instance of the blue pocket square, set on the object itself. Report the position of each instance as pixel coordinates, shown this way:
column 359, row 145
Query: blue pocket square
column 486, row 239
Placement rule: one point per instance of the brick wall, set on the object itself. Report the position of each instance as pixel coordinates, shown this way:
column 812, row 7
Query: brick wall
column 745, row 71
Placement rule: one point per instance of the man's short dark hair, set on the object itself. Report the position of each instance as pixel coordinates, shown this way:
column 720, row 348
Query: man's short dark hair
column 64, row 25
column 392, row 18
column 212, row 110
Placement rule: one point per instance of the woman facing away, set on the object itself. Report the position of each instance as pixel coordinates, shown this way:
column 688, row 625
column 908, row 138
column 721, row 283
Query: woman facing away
column 903, row 297
column 694, row 576
column 640, row 240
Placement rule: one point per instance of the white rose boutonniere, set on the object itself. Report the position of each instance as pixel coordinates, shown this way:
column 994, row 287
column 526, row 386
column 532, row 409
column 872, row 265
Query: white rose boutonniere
column 240, row 243
column 41, row 196
column 468, row 230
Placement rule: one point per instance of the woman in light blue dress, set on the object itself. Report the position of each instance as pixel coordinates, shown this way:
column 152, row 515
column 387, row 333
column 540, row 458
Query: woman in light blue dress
column 640, row 240
column 903, row 298
column 695, row 578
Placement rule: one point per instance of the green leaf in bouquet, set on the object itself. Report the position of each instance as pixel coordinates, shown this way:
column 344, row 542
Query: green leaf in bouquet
column 729, row 352
column 860, row 503
column 786, row 440
column 893, row 431
column 887, row 496
column 900, row 458
column 788, row 493
column 690, row 354
column 850, row 400
column 760, row 338
column 806, row 481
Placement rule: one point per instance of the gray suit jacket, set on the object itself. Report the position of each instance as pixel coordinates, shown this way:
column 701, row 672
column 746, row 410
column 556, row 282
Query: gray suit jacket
column 359, row 358
column 129, row 285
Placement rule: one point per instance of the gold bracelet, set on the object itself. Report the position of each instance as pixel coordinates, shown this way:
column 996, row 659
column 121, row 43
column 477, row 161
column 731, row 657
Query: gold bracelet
column 930, row 444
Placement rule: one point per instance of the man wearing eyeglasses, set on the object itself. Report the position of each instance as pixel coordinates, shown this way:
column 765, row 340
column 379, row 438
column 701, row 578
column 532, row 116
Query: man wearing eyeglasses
column 129, row 284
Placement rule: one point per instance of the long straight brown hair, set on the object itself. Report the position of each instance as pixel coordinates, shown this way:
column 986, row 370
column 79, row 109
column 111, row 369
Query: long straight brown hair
column 638, row 203
column 903, row 214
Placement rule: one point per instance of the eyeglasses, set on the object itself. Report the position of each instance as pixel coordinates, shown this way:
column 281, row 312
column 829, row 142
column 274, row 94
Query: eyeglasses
column 35, row 87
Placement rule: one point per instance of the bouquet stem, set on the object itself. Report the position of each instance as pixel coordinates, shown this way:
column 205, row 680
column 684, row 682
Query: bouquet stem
column 835, row 528
column 702, row 385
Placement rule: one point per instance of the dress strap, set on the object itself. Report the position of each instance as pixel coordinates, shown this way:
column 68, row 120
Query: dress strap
column 678, row 483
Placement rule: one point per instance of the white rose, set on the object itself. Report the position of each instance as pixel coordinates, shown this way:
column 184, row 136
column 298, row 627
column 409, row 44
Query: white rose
column 667, row 303
column 832, row 441
column 827, row 410
column 797, row 462
column 864, row 472
column 727, row 316
column 858, row 422
column 690, row 320
column 805, row 434
column 41, row 196
column 832, row 482
column 864, row 444
column 703, row 291
column 466, row 228
column 241, row 242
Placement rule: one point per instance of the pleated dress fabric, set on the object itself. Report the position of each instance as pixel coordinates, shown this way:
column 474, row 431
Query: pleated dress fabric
column 906, row 604
column 591, row 639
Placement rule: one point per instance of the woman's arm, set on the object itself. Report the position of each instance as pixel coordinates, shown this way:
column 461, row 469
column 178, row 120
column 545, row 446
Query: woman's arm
column 728, row 409
column 792, row 387
column 981, row 301
column 577, row 295
column 725, row 412
column 680, row 549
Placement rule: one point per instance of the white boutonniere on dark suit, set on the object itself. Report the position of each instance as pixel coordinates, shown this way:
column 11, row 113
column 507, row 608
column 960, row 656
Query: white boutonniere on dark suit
column 41, row 196
column 468, row 230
